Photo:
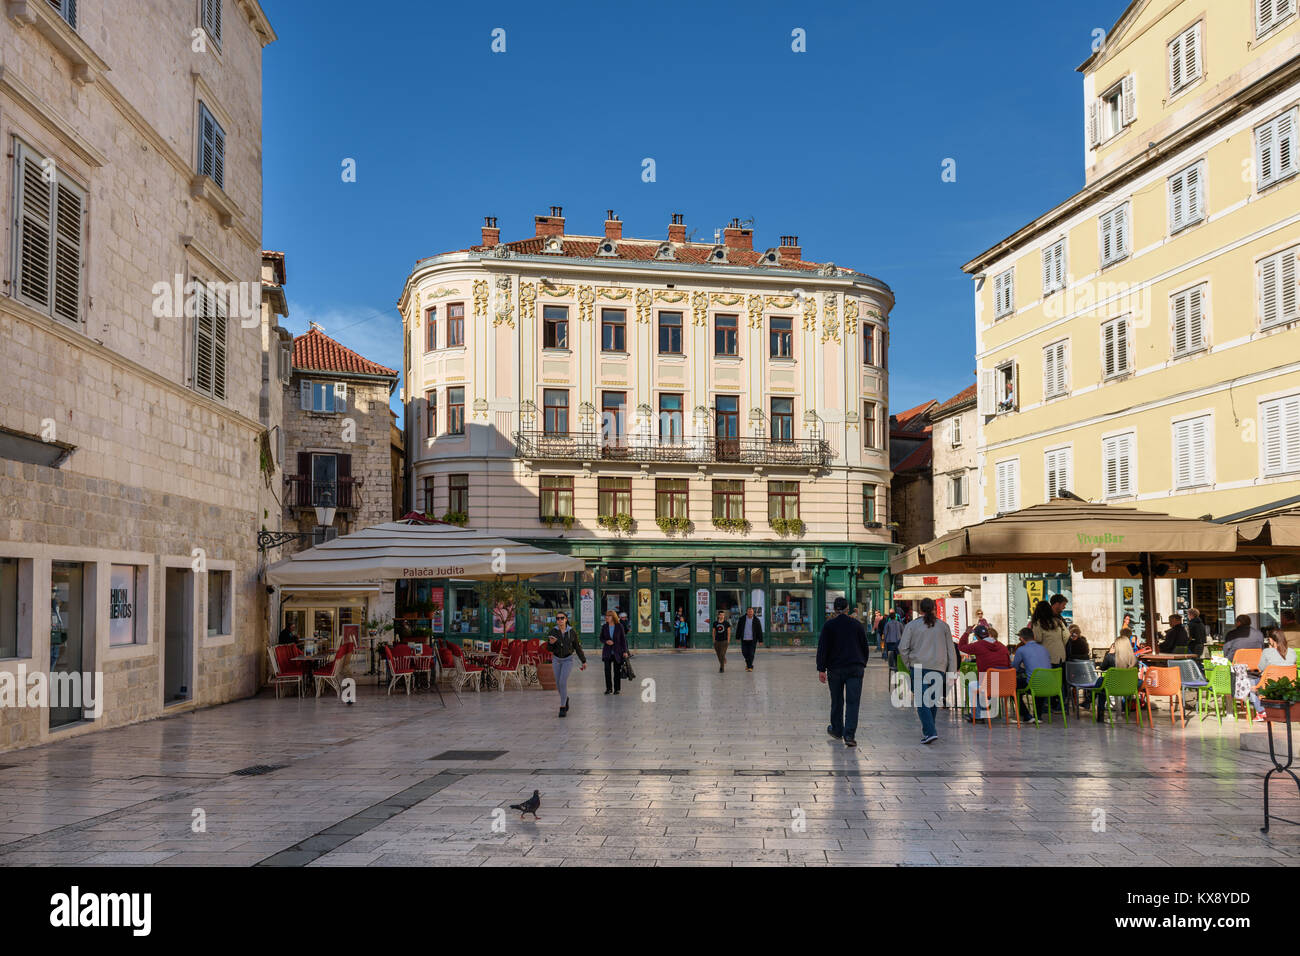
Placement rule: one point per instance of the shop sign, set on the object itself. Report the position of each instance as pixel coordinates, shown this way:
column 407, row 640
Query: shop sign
column 702, row 610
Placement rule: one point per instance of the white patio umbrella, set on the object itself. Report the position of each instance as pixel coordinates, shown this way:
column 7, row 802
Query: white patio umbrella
column 411, row 551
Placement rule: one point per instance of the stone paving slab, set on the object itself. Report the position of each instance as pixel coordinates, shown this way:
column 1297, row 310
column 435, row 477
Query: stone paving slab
column 718, row 770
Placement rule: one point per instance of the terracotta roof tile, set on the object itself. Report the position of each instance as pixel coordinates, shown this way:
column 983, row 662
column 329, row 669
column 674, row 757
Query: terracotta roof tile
column 919, row 459
column 964, row 397
column 317, row 352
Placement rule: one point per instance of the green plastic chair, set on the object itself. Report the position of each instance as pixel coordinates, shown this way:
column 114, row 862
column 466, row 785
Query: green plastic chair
column 904, row 672
column 1121, row 682
column 1048, row 682
column 966, row 667
column 1220, row 679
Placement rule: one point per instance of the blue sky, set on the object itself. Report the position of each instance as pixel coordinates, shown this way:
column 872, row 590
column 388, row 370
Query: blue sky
column 841, row 145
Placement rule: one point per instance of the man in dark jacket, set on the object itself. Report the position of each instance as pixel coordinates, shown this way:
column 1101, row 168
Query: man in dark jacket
column 841, row 662
column 1195, row 631
column 750, row 633
column 1176, row 636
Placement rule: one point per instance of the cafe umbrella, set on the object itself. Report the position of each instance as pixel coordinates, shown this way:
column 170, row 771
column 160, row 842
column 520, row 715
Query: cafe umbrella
column 1098, row 540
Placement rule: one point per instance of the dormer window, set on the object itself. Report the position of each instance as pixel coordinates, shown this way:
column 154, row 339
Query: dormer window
column 607, row 248
column 718, row 254
column 770, row 258
column 553, row 245
column 665, row 251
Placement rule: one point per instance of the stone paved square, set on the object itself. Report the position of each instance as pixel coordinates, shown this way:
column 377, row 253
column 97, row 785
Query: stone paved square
column 729, row 769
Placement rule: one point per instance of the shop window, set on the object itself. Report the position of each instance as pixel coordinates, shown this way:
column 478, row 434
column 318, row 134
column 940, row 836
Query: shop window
column 127, row 595
column 548, row 604
column 220, row 602
column 791, row 610
column 462, row 611
column 8, row 607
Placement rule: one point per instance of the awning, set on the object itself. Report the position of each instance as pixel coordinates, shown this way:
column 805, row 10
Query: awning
column 326, row 596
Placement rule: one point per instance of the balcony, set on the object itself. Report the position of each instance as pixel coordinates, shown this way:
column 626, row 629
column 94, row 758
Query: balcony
column 302, row 492
column 587, row 446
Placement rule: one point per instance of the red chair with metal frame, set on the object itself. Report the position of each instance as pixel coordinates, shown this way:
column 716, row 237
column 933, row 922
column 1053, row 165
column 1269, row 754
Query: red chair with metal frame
column 510, row 668
column 399, row 665
column 334, row 674
column 288, row 670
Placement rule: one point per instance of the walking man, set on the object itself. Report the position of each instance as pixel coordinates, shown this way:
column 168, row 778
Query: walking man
column 721, row 637
column 751, row 635
column 927, row 649
column 841, row 662
column 893, row 633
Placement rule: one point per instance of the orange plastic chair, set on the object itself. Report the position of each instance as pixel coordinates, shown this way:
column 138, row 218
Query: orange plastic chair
column 1165, row 682
column 1000, row 683
column 1275, row 672
column 1248, row 656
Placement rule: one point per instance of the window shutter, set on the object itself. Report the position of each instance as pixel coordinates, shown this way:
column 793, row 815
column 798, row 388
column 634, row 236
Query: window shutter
column 1094, row 124
column 1286, row 156
column 1047, row 269
column 1277, row 288
column 1195, row 194
column 212, row 158
column 304, row 396
column 1176, row 64
column 340, row 397
column 1015, row 383
column 1177, row 203
column 203, row 344
column 1192, row 69
column 219, row 324
column 1121, row 231
column 1109, row 364
column 1128, row 99
column 1288, row 292
column 70, row 215
column 34, row 223
column 1121, row 345
column 987, row 401
column 1195, row 331
column 1049, row 371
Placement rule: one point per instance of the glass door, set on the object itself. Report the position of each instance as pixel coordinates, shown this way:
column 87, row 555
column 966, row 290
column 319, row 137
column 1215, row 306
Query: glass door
column 67, row 596
column 726, row 427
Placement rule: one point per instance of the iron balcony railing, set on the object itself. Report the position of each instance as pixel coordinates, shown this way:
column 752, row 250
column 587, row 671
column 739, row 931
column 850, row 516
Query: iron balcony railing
column 589, row 446
column 305, row 493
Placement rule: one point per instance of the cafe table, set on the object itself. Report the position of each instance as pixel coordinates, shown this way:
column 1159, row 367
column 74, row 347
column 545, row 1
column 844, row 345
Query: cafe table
column 313, row 661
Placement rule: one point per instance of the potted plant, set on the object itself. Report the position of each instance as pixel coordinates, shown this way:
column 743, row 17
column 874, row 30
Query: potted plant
column 620, row 523
column 669, row 525
column 459, row 518
column 1279, row 698
column 740, row 525
column 787, row 526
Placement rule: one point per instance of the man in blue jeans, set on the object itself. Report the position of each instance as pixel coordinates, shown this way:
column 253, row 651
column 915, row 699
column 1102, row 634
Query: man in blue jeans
column 841, row 662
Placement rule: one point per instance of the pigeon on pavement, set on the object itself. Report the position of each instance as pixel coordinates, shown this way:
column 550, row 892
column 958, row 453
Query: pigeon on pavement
column 528, row 806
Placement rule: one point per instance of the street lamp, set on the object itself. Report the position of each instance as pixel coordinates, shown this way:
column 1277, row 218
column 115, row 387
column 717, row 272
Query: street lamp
column 325, row 516
column 325, row 512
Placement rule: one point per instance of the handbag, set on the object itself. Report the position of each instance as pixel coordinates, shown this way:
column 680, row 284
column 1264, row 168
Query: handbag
column 626, row 672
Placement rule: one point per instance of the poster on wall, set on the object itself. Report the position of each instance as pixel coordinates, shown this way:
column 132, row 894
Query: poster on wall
column 121, row 605
column 702, row 610
column 437, row 598
column 352, row 634
column 644, row 610
column 758, row 599
column 1034, row 590
column 587, row 610
column 955, row 614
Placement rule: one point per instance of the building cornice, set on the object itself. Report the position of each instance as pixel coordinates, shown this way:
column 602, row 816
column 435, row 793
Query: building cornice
column 645, row 271
column 1098, row 190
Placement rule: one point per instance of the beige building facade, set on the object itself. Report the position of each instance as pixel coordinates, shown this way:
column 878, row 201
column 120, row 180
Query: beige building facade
column 704, row 422
column 132, row 340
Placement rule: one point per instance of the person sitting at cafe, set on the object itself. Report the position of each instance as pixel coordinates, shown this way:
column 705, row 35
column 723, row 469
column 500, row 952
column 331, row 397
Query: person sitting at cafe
column 1076, row 648
column 1030, row 656
column 1195, row 632
column 1120, row 655
column 289, row 635
column 987, row 650
column 1277, row 654
column 1290, row 629
column 1176, row 636
column 1242, row 637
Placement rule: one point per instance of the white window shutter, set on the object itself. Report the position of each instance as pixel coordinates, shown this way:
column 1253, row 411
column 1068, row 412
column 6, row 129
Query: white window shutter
column 1047, row 269
column 1289, row 290
column 988, row 403
column 1195, row 193
column 1193, row 53
column 304, row 396
column 1195, row 326
column 1177, row 203
column 1093, row 123
column 1109, row 365
column 1277, row 288
column 1176, row 64
column 340, row 397
column 1049, row 371
column 1128, row 99
column 1015, row 383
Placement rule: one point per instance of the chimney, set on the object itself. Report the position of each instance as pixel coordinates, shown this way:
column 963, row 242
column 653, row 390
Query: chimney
column 613, row 226
column 789, row 249
column 677, row 229
column 734, row 237
column 491, row 234
column 552, row 225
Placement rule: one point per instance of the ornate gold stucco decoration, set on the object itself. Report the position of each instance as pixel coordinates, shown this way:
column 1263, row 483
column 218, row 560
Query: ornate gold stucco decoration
column 505, row 311
column 643, row 303
column 810, row 314
column 700, row 307
column 727, row 298
column 606, row 293
column 755, row 311
column 443, row 292
column 415, row 318
column 480, row 297
column 779, row 301
column 527, row 301
column 670, row 295
column 557, row 291
column 586, row 296
column 850, row 317
column 830, row 318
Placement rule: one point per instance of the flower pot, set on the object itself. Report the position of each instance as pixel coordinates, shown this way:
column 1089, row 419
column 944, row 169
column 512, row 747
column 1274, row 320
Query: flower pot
column 546, row 676
column 1280, row 711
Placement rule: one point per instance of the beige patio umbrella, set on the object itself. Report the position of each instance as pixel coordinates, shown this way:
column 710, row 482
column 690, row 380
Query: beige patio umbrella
column 410, row 551
column 1101, row 541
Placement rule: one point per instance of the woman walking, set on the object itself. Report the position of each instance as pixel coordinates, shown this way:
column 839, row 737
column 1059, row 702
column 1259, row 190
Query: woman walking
column 721, row 636
column 613, row 651
column 564, row 644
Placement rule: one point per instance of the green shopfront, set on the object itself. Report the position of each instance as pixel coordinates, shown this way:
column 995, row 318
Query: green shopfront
column 792, row 587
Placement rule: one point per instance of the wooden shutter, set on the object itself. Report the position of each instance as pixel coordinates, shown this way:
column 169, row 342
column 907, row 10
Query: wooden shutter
column 304, row 479
column 69, row 227
column 212, row 20
column 304, row 396
column 344, row 474
column 1195, row 328
column 220, row 322
column 1121, row 345
column 212, row 150
column 204, row 323
column 1049, row 371
column 1278, row 290
column 1109, row 363
column 1177, row 202
column 1192, row 53
column 1128, row 99
column 1286, row 134
column 1120, row 221
column 1281, row 435
column 1191, row 452
column 988, row 402
column 1008, row 486
column 340, row 397
column 33, row 221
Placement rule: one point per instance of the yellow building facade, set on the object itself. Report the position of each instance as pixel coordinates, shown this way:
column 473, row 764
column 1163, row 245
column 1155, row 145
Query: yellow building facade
column 1140, row 343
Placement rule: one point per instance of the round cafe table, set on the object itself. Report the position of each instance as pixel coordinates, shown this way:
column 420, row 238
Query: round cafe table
column 314, row 660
